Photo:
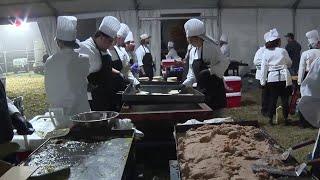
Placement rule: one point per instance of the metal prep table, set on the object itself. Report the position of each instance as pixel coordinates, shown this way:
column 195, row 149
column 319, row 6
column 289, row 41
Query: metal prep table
column 91, row 154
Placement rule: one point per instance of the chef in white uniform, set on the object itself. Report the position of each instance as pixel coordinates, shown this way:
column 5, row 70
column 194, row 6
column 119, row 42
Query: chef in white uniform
column 310, row 55
column 101, row 72
column 172, row 54
column 130, row 45
column 225, row 48
column 307, row 58
column 66, row 71
column 206, row 66
column 144, row 57
column 257, row 62
column 276, row 76
column 309, row 105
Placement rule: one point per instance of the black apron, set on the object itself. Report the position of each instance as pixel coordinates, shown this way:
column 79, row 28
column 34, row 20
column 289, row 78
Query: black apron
column 211, row 85
column 100, row 85
column 147, row 65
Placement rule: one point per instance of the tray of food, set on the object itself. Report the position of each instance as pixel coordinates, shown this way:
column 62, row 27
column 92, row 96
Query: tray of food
column 161, row 93
column 224, row 151
column 89, row 156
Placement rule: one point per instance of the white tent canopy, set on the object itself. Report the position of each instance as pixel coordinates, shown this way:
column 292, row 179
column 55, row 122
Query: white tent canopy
column 244, row 21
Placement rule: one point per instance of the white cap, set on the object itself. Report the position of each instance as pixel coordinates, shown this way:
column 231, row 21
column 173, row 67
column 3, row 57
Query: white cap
column 224, row 38
column 129, row 37
column 110, row 26
column 313, row 36
column 66, row 28
column 144, row 36
column 194, row 27
column 170, row 44
column 266, row 36
column 273, row 35
column 123, row 31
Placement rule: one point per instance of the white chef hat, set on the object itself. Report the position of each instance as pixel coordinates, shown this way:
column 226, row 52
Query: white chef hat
column 266, row 36
column 273, row 35
column 194, row 27
column 66, row 28
column 313, row 36
column 123, row 31
column 144, row 36
column 170, row 44
column 224, row 38
column 110, row 26
column 129, row 37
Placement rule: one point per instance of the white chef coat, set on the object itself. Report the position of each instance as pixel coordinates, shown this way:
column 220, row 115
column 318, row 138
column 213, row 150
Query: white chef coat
column 172, row 54
column 225, row 49
column 212, row 55
column 307, row 57
column 140, row 52
column 88, row 47
column 127, row 67
column 257, row 61
column 275, row 61
column 66, row 81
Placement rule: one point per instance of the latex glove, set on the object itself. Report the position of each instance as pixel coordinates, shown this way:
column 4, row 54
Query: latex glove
column 135, row 68
column 23, row 127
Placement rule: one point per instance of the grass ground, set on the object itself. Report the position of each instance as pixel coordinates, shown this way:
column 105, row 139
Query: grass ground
column 31, row 87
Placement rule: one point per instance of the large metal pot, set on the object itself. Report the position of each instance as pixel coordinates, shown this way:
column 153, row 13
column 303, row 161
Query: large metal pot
column 95, row 119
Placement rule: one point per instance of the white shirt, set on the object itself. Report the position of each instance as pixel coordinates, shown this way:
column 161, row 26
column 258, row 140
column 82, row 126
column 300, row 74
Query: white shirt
column 307, row 57
column 257, row 61
column 88, row 47
column 66, row 81
column 172, row 54
column 275, row 61
column 225, row 49
column 309, row 104
column 212, row 55
column 127, row 67
column 140, row 52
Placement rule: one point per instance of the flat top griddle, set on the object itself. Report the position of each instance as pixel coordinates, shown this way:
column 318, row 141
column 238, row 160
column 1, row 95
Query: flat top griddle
column 94, row 157
column 130, row 96
column 180, row 131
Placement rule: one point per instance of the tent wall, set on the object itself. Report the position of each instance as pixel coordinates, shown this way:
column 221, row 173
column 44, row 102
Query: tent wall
column 306, row 20
column 246, row 27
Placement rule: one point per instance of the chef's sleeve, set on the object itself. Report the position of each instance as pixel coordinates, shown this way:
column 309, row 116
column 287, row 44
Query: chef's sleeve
column 139, row 56
column 287, row 58
column 132, row 79
column 302, row 68
column 218, row 63
column 191, row 79
column 264, row 71
column 257, row 58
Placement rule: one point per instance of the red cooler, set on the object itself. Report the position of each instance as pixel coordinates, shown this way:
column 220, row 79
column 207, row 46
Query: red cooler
column 233, row 82
column 233, row 99
column 167, row 62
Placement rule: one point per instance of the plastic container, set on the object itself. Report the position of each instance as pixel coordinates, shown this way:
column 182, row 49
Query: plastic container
column 233, row 82
column 279, row 116
column 233, row 100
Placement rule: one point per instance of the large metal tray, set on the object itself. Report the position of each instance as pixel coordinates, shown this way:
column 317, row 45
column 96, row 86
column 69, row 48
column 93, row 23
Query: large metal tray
column 90, row 154
column 129, row 95
column 180, row 130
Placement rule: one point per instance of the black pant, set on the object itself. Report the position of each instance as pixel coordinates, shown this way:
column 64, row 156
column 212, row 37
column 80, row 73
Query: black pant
column 277, row 89
column 264, row 100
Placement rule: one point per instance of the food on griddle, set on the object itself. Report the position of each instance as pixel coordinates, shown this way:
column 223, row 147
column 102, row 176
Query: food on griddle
column 174, row 92
column 217, row 152
column 142, row 93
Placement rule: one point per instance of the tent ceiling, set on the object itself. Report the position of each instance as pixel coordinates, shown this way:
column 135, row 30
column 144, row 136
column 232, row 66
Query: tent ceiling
column 37, row 8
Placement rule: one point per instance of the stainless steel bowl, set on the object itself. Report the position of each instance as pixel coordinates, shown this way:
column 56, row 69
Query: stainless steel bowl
column 94, row 119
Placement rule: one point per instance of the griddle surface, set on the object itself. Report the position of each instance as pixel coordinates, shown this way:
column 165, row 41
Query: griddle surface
column 163, row 107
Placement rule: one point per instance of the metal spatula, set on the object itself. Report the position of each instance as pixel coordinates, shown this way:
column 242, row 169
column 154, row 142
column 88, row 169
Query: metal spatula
column 284, row 156
column 296, row 172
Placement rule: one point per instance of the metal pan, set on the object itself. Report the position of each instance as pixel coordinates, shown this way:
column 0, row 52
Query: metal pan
column 95, row 119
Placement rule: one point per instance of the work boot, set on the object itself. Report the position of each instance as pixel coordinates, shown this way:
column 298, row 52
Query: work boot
column 271, row 122
column 286, row 122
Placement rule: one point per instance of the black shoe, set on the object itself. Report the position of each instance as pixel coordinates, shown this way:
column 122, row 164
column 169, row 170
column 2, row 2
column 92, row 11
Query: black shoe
column 264, row 114
column 271, row 122
column 286, row 122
